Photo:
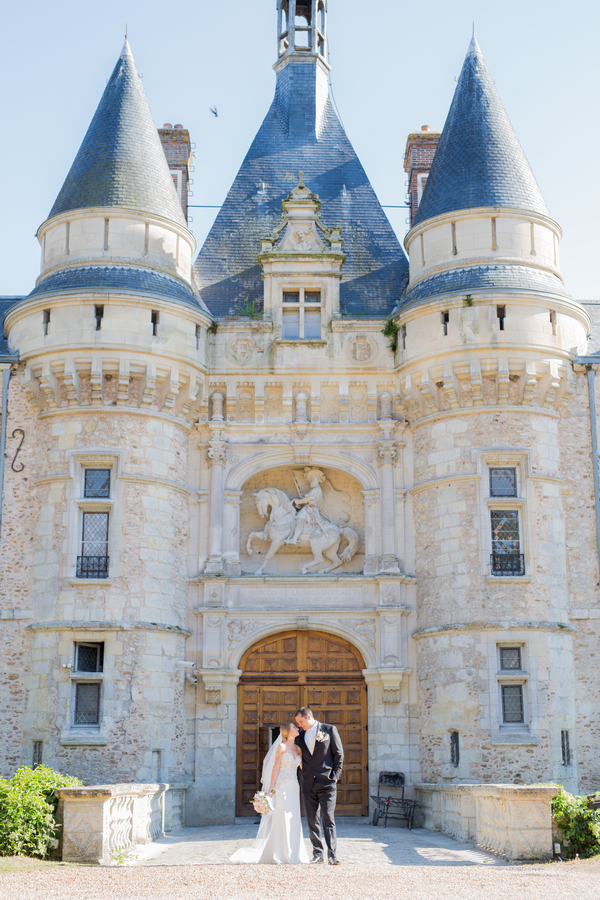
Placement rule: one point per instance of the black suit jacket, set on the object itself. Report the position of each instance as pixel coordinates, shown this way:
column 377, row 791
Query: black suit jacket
column 325, row 764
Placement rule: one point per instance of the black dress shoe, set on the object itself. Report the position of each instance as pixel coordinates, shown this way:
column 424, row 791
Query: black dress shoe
column 333, row 861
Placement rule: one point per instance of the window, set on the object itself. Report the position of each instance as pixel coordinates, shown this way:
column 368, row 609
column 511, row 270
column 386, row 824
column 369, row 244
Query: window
column 87, row 703
column 98, row 316
column 553, row 321
column 155, row 318
column 36, row 759
column 46, row 320
column 512, row 704
column 402, row 337
column 93, row 561
column 510, row 658
column 566, row 748
column 301, row 315
column 506, row 557
column 445, row 321
column 503, row 482
column 501, row 315
column 454, row 748
column 96, row 483
column 198, row 336
column 89, row 657
column 89, row 660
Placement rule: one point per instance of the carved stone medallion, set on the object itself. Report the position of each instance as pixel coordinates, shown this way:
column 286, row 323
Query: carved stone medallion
column 361, row 349
column 241, row 350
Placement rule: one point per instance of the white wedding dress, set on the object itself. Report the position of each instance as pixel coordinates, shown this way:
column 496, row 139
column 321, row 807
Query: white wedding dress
column 279, row 839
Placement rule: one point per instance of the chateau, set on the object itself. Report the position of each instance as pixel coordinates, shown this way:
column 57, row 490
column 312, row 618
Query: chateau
column 225, row 493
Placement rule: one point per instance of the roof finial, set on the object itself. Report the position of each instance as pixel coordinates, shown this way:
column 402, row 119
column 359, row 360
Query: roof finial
column 473, row 46
column 126, row 30
column 126, row 51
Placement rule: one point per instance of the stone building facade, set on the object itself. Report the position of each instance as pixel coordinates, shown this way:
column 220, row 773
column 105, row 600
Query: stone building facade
column 225, row 493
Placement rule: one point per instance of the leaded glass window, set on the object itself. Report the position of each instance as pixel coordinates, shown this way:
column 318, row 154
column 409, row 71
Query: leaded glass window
column 505, row 531
column 94, row 534
column 87, row 703
column 512, row 704
column 503, row 482
column 89, row 657
column 510, row 658
column 96, row 484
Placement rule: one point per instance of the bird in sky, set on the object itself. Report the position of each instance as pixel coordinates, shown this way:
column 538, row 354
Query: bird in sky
column 214, row 111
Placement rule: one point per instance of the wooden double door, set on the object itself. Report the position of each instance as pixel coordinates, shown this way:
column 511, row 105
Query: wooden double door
column 302, row 668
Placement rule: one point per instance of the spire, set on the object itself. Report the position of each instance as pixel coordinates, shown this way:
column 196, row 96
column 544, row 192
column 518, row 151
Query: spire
column 479, row 161
column 121, row 162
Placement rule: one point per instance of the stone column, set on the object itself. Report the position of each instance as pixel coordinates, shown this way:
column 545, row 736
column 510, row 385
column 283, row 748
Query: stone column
column 387, row 456
column 371, row 565
column 231, row 534
column 217, row 459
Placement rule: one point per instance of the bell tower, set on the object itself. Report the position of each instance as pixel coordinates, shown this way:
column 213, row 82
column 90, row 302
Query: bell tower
column 301, row 27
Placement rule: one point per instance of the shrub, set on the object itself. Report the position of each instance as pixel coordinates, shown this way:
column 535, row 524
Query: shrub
column 390, row 330
column 27, row 810
column 580, row 825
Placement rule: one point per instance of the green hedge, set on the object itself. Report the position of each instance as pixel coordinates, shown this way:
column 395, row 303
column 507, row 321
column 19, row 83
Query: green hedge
column 27, row 810
column 580, row 825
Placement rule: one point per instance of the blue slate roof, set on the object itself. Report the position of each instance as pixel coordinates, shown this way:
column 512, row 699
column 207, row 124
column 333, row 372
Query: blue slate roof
column 5, row 304
column 479, row 279
column 479, row 160
column 302, row 132
column 121, row 161
column 119, row 279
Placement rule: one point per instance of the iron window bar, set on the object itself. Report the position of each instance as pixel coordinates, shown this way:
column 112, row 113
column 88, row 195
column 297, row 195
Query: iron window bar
column 92, row 566
column 508, row 563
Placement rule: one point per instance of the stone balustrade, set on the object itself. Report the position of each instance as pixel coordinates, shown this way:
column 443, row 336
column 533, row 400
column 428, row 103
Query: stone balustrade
column 101, row 821
column 514, row 821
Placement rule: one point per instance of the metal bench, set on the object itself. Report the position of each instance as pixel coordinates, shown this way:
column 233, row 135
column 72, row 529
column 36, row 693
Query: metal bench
column 393, row 806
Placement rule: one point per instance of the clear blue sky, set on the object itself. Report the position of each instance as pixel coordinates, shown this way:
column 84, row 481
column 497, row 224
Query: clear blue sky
column 394, row 69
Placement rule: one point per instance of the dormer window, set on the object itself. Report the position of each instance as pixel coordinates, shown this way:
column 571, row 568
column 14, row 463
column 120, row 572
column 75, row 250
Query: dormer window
column 301, row 315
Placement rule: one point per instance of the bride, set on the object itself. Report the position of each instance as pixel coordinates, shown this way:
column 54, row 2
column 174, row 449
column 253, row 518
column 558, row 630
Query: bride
column 280, row 838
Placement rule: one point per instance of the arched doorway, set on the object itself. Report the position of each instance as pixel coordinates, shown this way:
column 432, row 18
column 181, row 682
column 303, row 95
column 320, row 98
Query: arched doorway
column 302, row 668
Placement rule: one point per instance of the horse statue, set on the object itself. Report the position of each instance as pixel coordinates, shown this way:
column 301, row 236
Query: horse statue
column 316, row 532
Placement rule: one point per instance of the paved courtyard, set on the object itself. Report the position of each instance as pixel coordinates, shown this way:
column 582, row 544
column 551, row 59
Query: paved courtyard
column 359, row 843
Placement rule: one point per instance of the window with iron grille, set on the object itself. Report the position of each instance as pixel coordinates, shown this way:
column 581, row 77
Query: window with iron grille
column 510, row 658
column 87, row 703
column 454, row 748
column 513, row 712
column 37, row 754
column 566, row 748
column 503, row 482
column 96, row 484
column 89, row 657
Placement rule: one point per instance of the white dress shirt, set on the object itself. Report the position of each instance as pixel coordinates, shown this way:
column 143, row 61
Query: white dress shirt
column 310, row 737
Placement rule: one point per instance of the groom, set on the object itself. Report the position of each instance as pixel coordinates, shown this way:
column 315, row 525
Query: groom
column 322, row 758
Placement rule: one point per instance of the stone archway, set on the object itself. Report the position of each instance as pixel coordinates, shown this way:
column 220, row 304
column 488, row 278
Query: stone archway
column 302, row 668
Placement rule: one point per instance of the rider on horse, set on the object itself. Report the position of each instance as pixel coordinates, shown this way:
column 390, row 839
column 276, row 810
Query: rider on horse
column 311, row 506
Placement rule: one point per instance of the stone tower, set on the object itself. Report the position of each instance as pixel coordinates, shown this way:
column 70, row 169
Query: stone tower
column 487, row 334
column 112, row 340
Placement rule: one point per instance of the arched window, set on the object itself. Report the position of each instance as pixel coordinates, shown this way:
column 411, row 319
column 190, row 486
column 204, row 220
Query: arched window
column 283, row 16
column 321, row 28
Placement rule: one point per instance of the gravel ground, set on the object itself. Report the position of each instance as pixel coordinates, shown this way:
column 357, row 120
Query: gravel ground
column 565, row 881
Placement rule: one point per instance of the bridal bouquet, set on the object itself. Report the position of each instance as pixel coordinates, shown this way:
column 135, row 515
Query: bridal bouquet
column 262, row 803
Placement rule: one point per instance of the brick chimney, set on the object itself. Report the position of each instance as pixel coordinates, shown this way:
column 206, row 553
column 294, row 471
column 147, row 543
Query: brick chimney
column 178, row 150
column 418, row 157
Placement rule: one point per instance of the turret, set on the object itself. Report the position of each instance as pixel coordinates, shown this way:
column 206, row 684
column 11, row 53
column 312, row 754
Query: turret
column 487, row 332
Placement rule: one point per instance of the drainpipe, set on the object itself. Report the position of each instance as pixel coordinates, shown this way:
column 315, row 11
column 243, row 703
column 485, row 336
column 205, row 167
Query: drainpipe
column 5, row 370
column 589, row 362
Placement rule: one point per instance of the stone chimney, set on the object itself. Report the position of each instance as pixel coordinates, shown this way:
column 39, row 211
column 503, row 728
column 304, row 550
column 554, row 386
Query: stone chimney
column 418, row 157
column 178, row 150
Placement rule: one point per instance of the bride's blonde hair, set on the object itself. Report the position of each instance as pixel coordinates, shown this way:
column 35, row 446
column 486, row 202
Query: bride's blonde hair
column 285, row 730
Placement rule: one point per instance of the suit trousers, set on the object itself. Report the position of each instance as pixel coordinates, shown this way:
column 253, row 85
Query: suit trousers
column 320, row 808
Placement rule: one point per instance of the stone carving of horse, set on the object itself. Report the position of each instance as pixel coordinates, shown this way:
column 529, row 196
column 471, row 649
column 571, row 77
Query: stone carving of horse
column 323, row 540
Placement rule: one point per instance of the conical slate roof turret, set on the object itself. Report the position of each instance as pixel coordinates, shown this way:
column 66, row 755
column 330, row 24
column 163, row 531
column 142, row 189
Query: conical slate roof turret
column 121, row 162
column 479, row 161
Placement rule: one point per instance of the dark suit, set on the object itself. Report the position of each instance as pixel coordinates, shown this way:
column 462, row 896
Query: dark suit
column 321, row 771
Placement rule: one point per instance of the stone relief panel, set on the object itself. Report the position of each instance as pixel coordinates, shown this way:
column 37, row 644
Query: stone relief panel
column 328, row 516
column 273, row 404
column 361, row 349
column 330, row 403
column 358, row 401
column 244, row 405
